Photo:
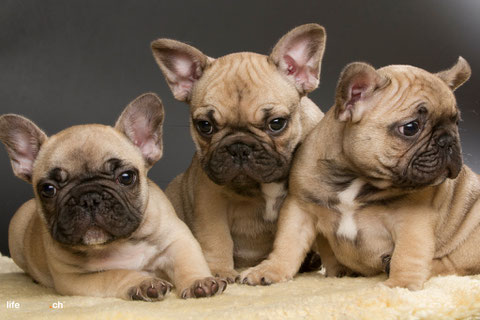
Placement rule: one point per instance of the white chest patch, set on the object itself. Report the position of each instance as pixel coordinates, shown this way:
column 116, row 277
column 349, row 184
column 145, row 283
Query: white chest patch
column 273, row 193
column 127, row 256
column 347, row 207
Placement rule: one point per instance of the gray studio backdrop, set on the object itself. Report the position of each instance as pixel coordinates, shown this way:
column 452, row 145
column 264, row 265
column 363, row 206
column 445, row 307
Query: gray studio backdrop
column 71, row 62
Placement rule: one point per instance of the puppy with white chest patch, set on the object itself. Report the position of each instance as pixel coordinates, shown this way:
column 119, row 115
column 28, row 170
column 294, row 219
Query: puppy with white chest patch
column 98, row 226
column 386, row 191
column 249, row 113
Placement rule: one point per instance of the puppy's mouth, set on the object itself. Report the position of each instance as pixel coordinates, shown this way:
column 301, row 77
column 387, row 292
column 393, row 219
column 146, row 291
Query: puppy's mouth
column 96, row 236
column 432, row 163
column 93, row 215
column 245, row 163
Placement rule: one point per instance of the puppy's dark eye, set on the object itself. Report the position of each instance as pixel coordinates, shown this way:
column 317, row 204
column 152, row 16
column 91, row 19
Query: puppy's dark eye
column 48, row 190
column 277, row 124
column 205, row 127
column 409, row 129
column 127, row 178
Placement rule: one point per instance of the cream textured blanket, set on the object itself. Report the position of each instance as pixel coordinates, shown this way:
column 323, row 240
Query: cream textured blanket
column 309, row 296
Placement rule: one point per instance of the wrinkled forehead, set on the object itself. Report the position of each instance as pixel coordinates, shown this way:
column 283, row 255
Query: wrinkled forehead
column 243, row 84
column 411, row 86
column 85, row 149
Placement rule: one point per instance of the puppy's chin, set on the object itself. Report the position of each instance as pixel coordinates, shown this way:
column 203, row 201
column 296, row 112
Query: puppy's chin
column 244, row 185
column 418, row 184
column 411, row 180
column 96, row 236
column 433, row 177
column 429, row 163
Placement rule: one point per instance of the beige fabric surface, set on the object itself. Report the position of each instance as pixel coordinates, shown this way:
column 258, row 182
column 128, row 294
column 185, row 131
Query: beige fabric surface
column 309, row 296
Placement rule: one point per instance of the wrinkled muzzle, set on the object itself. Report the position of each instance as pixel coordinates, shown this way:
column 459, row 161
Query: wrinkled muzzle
column 93, row 214
column 240, row 158
column 436, row 160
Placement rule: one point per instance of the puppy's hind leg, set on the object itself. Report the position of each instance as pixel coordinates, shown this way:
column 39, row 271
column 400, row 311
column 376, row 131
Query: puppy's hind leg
column 443, row 267
column 333, row 268
column 464, row 260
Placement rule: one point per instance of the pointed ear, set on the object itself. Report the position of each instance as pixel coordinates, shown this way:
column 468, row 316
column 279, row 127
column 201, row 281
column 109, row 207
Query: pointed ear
column 142, row 122
column 22, row 139
column 456, row 75
column 298, row 55
column 181, row 64
column 356, row 85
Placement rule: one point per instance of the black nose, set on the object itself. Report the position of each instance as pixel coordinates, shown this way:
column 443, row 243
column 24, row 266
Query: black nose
column 445, row 141
column 90, row 200
column 239, row 150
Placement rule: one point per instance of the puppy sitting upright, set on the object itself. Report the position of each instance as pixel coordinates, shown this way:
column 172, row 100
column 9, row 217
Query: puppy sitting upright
column 249, row 112
column 98, row 226
column 387, row 189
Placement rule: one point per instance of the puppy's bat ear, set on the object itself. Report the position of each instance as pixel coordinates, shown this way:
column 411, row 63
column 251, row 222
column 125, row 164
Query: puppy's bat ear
column 181, row 64
column 298, row 55
column 142, row 122
column 23, row 140
column 456, row 75
column 356, row 85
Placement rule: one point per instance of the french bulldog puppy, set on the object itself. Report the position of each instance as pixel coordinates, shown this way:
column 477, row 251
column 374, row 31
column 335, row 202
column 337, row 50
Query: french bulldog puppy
column 97, row 225
column 386, row 189
column 249, row 113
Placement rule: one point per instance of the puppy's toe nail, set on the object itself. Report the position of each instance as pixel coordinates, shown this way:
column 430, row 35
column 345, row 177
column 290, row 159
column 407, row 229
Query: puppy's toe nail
column 165, row 289
column 137, row 297
column 214, row 287
column 134, row 294
column 265, row 282
column 237, row 279
column 245, row 280
column 224, row 286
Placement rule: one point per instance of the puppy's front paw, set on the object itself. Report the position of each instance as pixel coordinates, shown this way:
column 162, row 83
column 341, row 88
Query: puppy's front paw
column 403, row 283
column 205, row 288
column 150, row 290
column 264, row 274
column 229, row 275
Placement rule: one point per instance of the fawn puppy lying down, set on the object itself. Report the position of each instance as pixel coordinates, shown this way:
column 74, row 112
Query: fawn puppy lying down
column 97, row 225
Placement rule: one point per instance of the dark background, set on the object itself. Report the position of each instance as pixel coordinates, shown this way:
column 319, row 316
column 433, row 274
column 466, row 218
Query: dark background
column 72, row 62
